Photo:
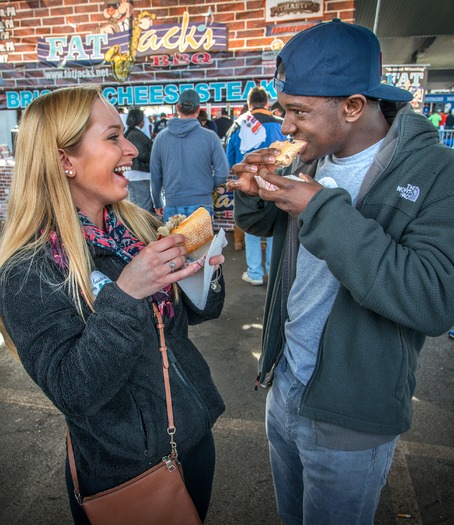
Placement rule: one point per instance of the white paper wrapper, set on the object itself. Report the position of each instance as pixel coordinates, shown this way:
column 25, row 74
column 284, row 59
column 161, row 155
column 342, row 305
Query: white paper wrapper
column 264, row 184
column 271, row 187
column 294, row 177
column 197, row 286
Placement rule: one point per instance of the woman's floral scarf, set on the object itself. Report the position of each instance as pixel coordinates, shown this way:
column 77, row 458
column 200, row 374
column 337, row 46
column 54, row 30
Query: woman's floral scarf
column 116, row 239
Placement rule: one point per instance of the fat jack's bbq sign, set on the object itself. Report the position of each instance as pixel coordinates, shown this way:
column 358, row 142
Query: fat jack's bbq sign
column 187, row 43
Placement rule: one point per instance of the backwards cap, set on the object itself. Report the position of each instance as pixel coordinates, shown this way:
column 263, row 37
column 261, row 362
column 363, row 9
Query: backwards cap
column 335, row 59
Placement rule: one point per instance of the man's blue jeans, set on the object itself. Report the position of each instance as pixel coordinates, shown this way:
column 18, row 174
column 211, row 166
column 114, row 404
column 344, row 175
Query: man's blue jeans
column 315, row 485
column 254, row 256
column 183, row 210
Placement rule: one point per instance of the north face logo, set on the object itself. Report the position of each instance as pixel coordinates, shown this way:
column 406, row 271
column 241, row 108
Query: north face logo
column 410, row 192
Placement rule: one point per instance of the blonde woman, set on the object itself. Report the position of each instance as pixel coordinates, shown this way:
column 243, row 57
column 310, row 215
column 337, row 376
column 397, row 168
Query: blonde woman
column 79, row 268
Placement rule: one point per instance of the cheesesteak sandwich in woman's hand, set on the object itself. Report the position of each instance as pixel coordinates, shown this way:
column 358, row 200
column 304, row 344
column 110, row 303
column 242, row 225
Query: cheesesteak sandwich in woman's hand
column 197, row 229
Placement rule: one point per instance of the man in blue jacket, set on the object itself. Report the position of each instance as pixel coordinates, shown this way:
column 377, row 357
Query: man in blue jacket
column 257, row 128
column 362, row 271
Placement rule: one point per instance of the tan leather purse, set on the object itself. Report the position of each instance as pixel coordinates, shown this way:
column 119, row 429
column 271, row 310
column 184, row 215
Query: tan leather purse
column 156, row 497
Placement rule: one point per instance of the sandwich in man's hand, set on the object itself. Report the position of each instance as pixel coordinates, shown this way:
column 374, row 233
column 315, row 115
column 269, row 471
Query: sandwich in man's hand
column 288, row 150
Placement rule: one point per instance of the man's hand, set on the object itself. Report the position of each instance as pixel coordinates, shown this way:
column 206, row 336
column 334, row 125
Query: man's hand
column 290, row 195
column 253, row 162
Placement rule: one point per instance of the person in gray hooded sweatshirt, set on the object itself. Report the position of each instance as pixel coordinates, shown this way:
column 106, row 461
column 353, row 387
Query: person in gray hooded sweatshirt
column 187, row 162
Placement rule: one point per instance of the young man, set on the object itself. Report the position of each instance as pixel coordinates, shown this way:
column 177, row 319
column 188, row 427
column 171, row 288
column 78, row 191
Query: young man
column 362, row 270
column 257, row 128
column 187, row 161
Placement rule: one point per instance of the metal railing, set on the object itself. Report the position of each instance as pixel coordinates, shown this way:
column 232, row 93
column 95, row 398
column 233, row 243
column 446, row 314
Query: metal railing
column 447, row 137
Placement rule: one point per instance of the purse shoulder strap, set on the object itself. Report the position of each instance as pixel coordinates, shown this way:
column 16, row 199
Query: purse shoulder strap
column 171, row 426
column 165, row 370
column 72, row 466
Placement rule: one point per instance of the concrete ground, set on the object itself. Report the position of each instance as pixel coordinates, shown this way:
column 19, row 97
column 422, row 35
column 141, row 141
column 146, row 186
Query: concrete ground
column 421, row 482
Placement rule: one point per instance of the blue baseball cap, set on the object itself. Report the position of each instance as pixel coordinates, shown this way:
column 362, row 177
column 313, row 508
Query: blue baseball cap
column 335, row 59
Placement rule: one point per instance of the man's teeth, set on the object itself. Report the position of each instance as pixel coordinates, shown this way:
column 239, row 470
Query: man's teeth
column 122, row 169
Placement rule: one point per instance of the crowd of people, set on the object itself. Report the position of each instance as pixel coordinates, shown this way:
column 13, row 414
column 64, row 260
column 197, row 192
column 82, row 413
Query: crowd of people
column 442, row 119
column 359, row 265
column 175, row 146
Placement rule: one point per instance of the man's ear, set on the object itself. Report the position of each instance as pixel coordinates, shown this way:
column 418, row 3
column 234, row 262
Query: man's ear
column 354, row 106
column 66, row 164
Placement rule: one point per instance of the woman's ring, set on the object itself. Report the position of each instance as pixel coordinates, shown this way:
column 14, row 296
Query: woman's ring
column 172, row 266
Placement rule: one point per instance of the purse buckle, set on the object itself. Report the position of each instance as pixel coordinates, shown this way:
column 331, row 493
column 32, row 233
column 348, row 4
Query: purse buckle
column 169, row 463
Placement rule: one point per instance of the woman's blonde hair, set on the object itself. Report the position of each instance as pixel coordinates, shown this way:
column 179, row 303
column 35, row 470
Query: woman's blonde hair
column 40, row 200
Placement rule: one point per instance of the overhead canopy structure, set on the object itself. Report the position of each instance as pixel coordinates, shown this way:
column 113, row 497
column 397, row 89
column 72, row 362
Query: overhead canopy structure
column 414, row 32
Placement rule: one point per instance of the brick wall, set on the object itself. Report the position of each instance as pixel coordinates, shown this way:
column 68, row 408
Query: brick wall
column 245, row 19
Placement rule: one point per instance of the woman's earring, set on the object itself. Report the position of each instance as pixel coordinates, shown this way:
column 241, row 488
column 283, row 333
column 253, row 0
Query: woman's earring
column 68, row 172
